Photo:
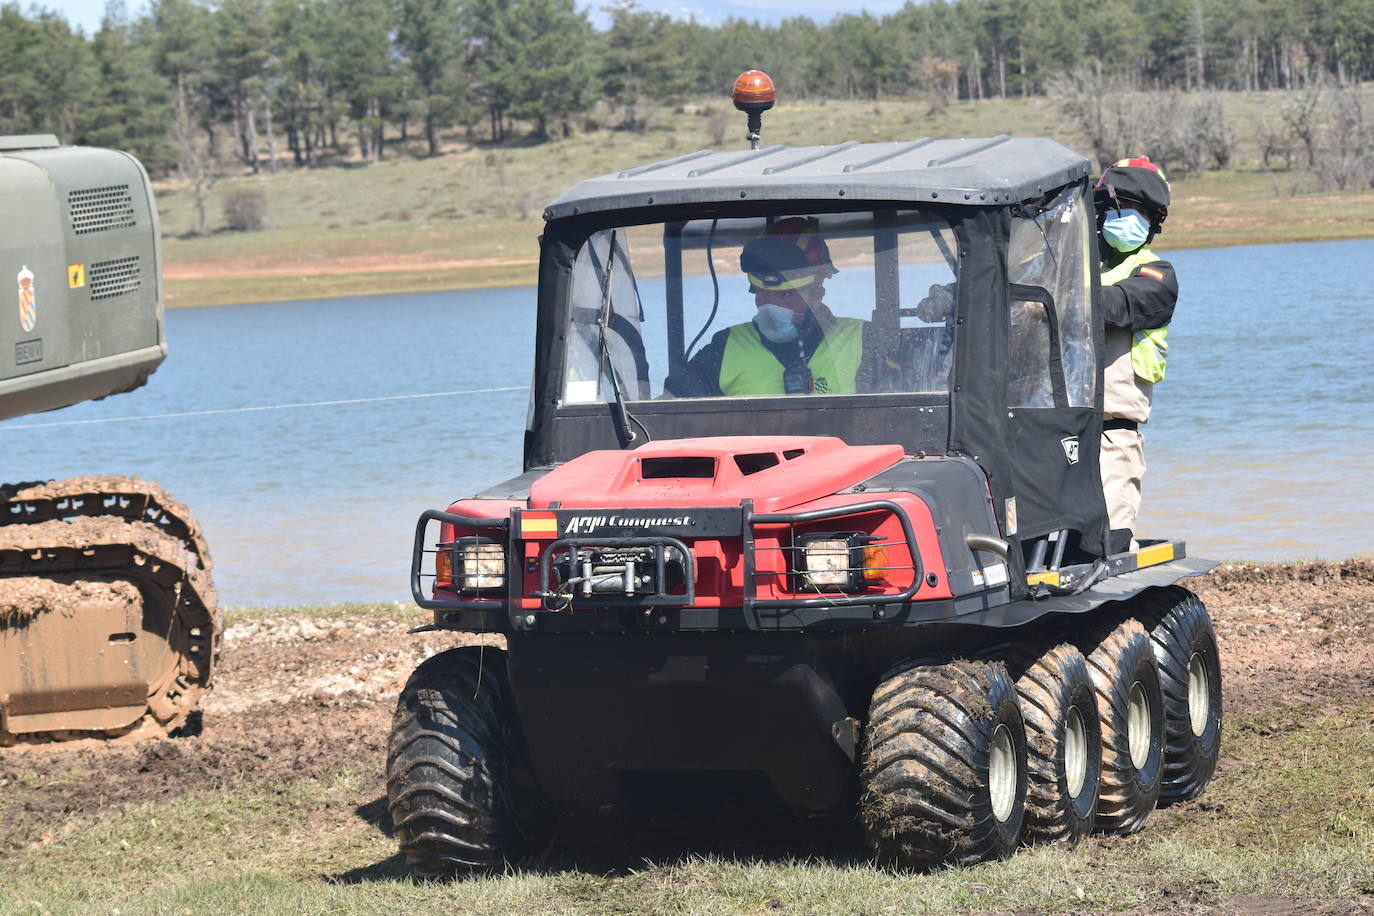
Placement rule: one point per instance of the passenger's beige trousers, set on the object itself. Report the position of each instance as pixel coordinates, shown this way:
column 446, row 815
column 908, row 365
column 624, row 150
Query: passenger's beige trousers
column 1123, row 464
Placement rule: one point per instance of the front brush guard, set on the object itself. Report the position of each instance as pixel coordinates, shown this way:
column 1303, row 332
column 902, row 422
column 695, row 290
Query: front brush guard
column 460, row 604
column 753, row 603
column 509, row 597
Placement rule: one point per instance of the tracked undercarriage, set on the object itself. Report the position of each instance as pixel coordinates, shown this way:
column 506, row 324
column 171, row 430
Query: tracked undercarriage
column 109, row 623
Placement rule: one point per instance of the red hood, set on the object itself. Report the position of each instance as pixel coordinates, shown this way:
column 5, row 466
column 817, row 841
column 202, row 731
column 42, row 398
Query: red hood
column 713, row 472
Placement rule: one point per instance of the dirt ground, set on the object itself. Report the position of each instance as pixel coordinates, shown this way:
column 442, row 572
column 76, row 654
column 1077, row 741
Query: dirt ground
column 295, row 696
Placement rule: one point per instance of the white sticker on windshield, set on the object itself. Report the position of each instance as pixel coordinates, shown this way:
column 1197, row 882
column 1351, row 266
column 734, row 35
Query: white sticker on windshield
column 580, row 392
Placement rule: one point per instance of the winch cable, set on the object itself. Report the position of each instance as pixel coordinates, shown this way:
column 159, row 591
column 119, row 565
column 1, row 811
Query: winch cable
column 228, row 410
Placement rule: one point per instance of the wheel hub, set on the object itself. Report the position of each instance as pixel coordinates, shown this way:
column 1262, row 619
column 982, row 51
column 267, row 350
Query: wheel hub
column 1075, row 752
column 1002, row 773
column 1199, row 695
column 1138, row 726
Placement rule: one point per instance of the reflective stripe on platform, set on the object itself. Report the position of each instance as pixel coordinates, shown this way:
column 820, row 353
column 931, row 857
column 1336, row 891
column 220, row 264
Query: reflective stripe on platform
column 1149, row 556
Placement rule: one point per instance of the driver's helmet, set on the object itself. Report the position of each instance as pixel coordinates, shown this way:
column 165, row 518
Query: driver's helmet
column 1134, row 181
column 790, row 254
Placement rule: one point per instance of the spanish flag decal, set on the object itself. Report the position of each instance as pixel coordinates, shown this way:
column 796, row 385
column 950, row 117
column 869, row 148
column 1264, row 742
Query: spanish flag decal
column 1153, row 272
column 538, row 525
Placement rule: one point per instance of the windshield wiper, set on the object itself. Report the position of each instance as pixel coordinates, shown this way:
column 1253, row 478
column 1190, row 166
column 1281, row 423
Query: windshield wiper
column 620, row 414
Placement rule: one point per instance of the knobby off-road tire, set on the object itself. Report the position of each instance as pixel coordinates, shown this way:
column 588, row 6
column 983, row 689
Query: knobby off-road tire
column 1063, row 745
column 446, row 765
column 1185, row 647
column 944, row 772
column 1125, row 680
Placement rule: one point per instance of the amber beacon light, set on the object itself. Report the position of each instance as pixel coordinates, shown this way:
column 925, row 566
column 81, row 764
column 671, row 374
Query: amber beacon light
column 754, row 94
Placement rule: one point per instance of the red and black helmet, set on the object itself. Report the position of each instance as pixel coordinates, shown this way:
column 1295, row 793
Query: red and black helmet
column 790, row 254
column 1135, row 180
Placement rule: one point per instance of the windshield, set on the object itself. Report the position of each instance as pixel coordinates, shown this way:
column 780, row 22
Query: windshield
column 788, row 304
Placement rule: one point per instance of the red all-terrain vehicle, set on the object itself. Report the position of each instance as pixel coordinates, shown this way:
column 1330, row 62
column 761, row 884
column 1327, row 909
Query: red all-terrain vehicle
column 866, row 577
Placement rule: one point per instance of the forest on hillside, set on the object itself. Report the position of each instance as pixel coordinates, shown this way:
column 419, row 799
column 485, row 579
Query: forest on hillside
column 192, row 86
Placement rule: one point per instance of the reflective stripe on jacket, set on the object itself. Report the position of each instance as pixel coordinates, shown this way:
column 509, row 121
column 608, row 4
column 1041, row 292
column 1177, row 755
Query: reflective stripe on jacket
column 1149, row 348
column 748, row 367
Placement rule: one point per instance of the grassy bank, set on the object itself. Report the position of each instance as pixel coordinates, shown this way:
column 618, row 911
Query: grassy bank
column 470, row 217
column 1289, row 819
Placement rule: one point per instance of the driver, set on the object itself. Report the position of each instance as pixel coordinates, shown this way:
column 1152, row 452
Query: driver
column 794, row 344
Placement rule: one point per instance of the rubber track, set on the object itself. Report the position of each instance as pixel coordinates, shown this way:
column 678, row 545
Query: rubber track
column 924, row 753
column 159, row 545
column 1043, row 706
column 125, row 497
column 1170, row 617
column 1126, row 795
column 445, row 759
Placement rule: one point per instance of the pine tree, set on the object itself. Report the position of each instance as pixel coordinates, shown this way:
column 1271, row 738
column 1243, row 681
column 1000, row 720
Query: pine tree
column 130, row 103
column 364, row 68
column 428, row 37
column 550, row 48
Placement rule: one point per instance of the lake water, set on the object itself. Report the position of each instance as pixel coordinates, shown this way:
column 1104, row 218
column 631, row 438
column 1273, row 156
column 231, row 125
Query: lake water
column 1259, row 446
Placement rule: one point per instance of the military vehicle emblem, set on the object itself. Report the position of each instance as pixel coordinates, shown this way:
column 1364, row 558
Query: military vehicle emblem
column 28, row 306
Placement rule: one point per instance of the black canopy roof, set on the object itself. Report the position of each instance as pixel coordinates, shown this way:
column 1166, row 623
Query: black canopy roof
column 982, row 172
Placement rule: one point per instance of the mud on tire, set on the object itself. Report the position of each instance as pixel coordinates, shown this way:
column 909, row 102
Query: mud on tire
column 446, row 761
column 1125, row 680
column 944, row 766
column 1063, row 745
column 1185, row 647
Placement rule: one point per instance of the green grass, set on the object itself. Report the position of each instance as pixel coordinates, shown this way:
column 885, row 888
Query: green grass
column 470, row 217
column 1289, row 816
column 380, row 610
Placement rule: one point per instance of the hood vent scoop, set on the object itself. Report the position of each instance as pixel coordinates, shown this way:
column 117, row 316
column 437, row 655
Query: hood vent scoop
column 752, row 464
column 704, row 467
column 677, row 467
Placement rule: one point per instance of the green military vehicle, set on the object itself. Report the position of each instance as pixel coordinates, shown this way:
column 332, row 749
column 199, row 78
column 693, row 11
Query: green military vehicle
column 108, row 615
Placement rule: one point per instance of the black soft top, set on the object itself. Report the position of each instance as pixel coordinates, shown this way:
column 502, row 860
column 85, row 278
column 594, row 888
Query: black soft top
column 980, row 172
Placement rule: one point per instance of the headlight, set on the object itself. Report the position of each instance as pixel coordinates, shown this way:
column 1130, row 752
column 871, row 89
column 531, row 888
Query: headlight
column 838, row 562
column 479, row 565
column 826, row 563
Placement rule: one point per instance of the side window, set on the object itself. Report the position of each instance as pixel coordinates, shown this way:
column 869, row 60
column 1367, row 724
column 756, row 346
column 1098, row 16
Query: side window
column 1050, row 252
column 1029, row 382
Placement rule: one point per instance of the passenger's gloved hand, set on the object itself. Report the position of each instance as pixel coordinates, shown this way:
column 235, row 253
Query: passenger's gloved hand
column 938, row 305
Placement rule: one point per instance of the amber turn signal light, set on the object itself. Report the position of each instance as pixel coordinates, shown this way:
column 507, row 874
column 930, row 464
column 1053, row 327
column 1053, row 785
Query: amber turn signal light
column 875, row 563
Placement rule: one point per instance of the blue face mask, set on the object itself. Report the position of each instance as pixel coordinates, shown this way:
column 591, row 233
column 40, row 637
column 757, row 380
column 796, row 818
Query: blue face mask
column 775, row 323
column 1125, row 230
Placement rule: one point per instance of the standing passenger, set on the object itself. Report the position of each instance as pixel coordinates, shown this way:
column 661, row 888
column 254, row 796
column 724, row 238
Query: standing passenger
column 1139, row 292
